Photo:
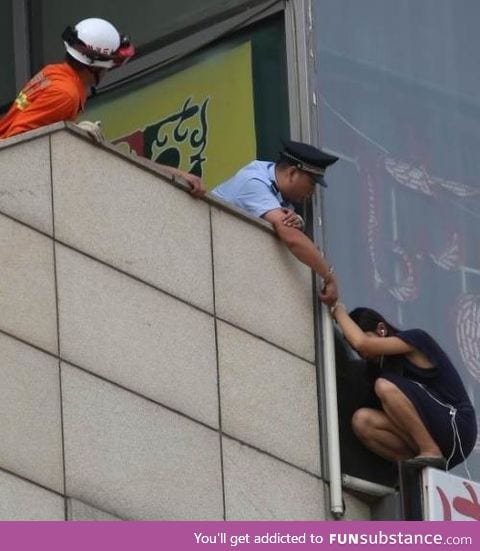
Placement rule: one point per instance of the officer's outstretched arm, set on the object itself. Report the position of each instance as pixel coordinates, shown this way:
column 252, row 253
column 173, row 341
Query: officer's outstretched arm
column 304, row 249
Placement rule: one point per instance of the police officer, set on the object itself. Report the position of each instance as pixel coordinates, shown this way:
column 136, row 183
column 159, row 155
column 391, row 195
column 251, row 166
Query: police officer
column 269, row 190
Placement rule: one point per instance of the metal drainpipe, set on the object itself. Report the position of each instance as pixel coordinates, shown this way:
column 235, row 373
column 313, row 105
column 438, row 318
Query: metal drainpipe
column 301, row 72
column 333, row 441
column 330, row 409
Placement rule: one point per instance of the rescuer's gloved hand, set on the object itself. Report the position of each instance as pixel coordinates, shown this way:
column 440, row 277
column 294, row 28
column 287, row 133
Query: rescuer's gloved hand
column 94, row 130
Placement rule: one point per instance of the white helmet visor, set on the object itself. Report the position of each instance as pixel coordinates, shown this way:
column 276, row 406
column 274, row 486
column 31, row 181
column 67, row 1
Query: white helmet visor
column 94, row 58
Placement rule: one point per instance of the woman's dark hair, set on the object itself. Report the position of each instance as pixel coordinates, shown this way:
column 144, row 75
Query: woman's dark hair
column 368, row 319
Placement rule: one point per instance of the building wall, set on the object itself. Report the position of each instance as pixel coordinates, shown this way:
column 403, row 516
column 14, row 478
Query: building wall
column 157, row 350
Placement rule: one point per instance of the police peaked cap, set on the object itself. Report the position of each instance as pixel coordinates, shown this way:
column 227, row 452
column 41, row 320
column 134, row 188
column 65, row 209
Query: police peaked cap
column 308, row 158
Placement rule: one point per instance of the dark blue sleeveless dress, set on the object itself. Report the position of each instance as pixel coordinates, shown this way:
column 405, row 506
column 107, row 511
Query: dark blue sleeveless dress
column 438, row 395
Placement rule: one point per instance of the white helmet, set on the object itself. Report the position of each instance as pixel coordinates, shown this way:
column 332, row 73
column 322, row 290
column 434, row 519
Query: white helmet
column 97, row 43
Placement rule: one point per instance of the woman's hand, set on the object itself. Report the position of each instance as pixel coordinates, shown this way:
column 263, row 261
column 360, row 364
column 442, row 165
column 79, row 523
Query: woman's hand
column 329, row 292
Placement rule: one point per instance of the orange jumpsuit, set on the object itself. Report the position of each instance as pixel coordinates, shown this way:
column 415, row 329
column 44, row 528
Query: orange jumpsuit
column 55, row 94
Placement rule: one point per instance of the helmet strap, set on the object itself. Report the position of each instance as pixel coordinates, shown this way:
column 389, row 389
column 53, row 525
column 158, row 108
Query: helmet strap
column 95, row 72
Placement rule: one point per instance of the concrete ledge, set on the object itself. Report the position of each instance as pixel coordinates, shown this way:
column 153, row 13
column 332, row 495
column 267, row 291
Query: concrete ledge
column 145, row 164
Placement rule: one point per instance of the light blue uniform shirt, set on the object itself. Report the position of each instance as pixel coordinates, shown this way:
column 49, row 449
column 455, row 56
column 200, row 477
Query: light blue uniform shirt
column 253, row 189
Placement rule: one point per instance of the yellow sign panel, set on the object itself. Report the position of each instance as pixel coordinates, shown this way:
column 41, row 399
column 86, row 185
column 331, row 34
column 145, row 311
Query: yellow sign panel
column 200, row 120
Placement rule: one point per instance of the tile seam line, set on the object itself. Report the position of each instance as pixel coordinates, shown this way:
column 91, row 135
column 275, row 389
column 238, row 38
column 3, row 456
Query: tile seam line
column 182, row 300
column 192, row 419
column 272, row 456
column 31, row 481
column 158, row 289
column 226, row 435
column 217, row 359
column 106, row 380
column 181, row 414
column 97, row 375
column 139, row 395
column 53, row 355
column 189, row 418
column 57, row 314
column 105, row 263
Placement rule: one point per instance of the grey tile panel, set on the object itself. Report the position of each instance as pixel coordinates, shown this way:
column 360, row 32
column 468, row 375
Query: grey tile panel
column 27, row 293
column 137, row 336
column 259, row 487
column 30, row 415
column 22, row 500
column 128, row 217
column 260, row 287
column 134, row 458
column 25, row 185
column 269, row 398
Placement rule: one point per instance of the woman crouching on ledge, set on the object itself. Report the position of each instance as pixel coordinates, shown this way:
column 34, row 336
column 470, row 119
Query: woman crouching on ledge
column 424, row 414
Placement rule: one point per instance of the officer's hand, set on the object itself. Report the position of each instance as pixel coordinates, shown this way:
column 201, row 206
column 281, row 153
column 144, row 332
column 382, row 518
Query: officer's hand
column 329, row 292
column 292, row 219
column 94, row 130
column 196, row 184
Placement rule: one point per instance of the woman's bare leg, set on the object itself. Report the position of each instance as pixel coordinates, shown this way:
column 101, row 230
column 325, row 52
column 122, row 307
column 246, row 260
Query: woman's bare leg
column 402, row 413
column 376, row 431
